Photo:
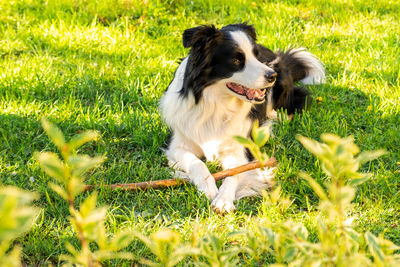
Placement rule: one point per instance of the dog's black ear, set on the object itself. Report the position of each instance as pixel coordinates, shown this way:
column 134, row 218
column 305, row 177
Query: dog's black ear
column 248, row 29
column 190, row 36
column 187, row 36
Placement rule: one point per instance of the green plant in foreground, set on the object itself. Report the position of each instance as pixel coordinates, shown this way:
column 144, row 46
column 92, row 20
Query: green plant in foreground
column 16, row 217
column 88, row 221
column 170, row 249
column 338, row 243
column 167, row 246
column 272, row 237
column 338, row 161
column 215, row 252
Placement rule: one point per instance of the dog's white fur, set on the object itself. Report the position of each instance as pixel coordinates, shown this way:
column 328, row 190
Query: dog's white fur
column 206, row 129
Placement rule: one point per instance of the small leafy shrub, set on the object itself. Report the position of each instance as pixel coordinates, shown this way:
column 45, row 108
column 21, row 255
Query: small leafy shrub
column 339, row 244
column 88, row 221
column 16, row 217
column 287, row 242
column 167, row 246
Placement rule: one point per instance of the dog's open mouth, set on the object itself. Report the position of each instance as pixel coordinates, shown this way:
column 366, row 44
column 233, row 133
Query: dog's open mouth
column 251, row 94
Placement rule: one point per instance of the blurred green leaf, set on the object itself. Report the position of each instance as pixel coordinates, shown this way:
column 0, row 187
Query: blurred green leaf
column 260, row 137
column 16, row 214
column 362, row 179
column 103, row 255
column 54, row 133
column 95, row 216
column 12, row 259
column 254, row 129
column 335, row 141
column 374, row 247
column 16, row 217
column 260, row 134
column 80, row 164
column 76, row 186
column 366, row 156
column 311, row 145
column 89, row 219
column 314, row 185
column 217, row 254
column 355, row 236
column 300, row 230
column 244, row 141
column 290, row 254
column 51, row 165
column 88, row 205
column 81, row 139
column 121, row 240
column 59, row 190
column 167, row 246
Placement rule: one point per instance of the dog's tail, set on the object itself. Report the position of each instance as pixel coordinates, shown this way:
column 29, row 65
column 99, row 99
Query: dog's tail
column 303, row 65
column 295, row 65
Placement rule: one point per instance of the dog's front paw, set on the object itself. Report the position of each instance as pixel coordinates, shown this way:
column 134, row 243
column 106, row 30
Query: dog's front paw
column 208, row 187
column 222, row 205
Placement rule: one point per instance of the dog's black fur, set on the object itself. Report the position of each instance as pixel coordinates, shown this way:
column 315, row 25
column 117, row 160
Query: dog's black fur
column 286, row 96
column 211, row 57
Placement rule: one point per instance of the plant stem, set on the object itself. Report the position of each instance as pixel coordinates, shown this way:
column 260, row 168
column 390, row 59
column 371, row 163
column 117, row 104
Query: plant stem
column 80, row 232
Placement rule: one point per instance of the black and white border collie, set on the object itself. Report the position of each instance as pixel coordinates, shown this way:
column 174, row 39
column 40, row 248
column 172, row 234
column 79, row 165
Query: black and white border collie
column 226, row 83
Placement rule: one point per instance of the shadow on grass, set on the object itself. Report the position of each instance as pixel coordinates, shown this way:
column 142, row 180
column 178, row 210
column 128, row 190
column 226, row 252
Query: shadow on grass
column 128, row 160
column 344, row 112
column 133, row 151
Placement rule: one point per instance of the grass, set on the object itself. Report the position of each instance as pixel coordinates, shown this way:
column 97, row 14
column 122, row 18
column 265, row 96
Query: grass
column 104, row 66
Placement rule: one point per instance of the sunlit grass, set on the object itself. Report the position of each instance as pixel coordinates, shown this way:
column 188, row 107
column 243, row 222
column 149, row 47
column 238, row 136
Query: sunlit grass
column 104, row 66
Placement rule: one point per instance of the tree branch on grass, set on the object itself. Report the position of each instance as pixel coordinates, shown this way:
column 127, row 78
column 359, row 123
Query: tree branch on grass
column 271, row 162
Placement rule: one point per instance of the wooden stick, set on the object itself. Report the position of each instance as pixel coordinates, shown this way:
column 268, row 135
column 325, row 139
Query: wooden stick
column 180, row 181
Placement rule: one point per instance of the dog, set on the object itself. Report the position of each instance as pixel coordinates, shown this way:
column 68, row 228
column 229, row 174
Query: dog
column 219, row 90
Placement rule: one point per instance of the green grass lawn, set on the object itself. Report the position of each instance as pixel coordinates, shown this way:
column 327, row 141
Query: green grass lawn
column 105, row 66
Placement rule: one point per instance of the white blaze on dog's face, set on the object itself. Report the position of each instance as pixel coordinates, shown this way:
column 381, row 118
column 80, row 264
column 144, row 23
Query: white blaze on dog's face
column 224, row 61
column 252, row 81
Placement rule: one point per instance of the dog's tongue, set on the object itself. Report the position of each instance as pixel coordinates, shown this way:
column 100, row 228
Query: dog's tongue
column 254, row 93
column 250, row 93
column 238, row 88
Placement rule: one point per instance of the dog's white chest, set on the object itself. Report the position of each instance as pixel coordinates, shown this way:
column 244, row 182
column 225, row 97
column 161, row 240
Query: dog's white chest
column 212, row 122
column 215, row 134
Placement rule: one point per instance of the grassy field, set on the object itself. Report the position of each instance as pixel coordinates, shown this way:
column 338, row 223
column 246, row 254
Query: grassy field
column 105, row 66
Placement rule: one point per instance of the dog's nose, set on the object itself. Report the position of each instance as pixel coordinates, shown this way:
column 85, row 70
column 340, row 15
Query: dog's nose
column 270, row 76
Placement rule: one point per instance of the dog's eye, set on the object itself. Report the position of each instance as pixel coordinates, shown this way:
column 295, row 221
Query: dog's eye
column 236, row 61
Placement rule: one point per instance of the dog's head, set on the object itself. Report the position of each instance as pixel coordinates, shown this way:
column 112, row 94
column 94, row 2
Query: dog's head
column 227, row 57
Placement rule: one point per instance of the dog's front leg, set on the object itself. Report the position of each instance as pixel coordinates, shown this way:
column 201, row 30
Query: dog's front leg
column 249, row 183
column 223, row 202
column 180, row 156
